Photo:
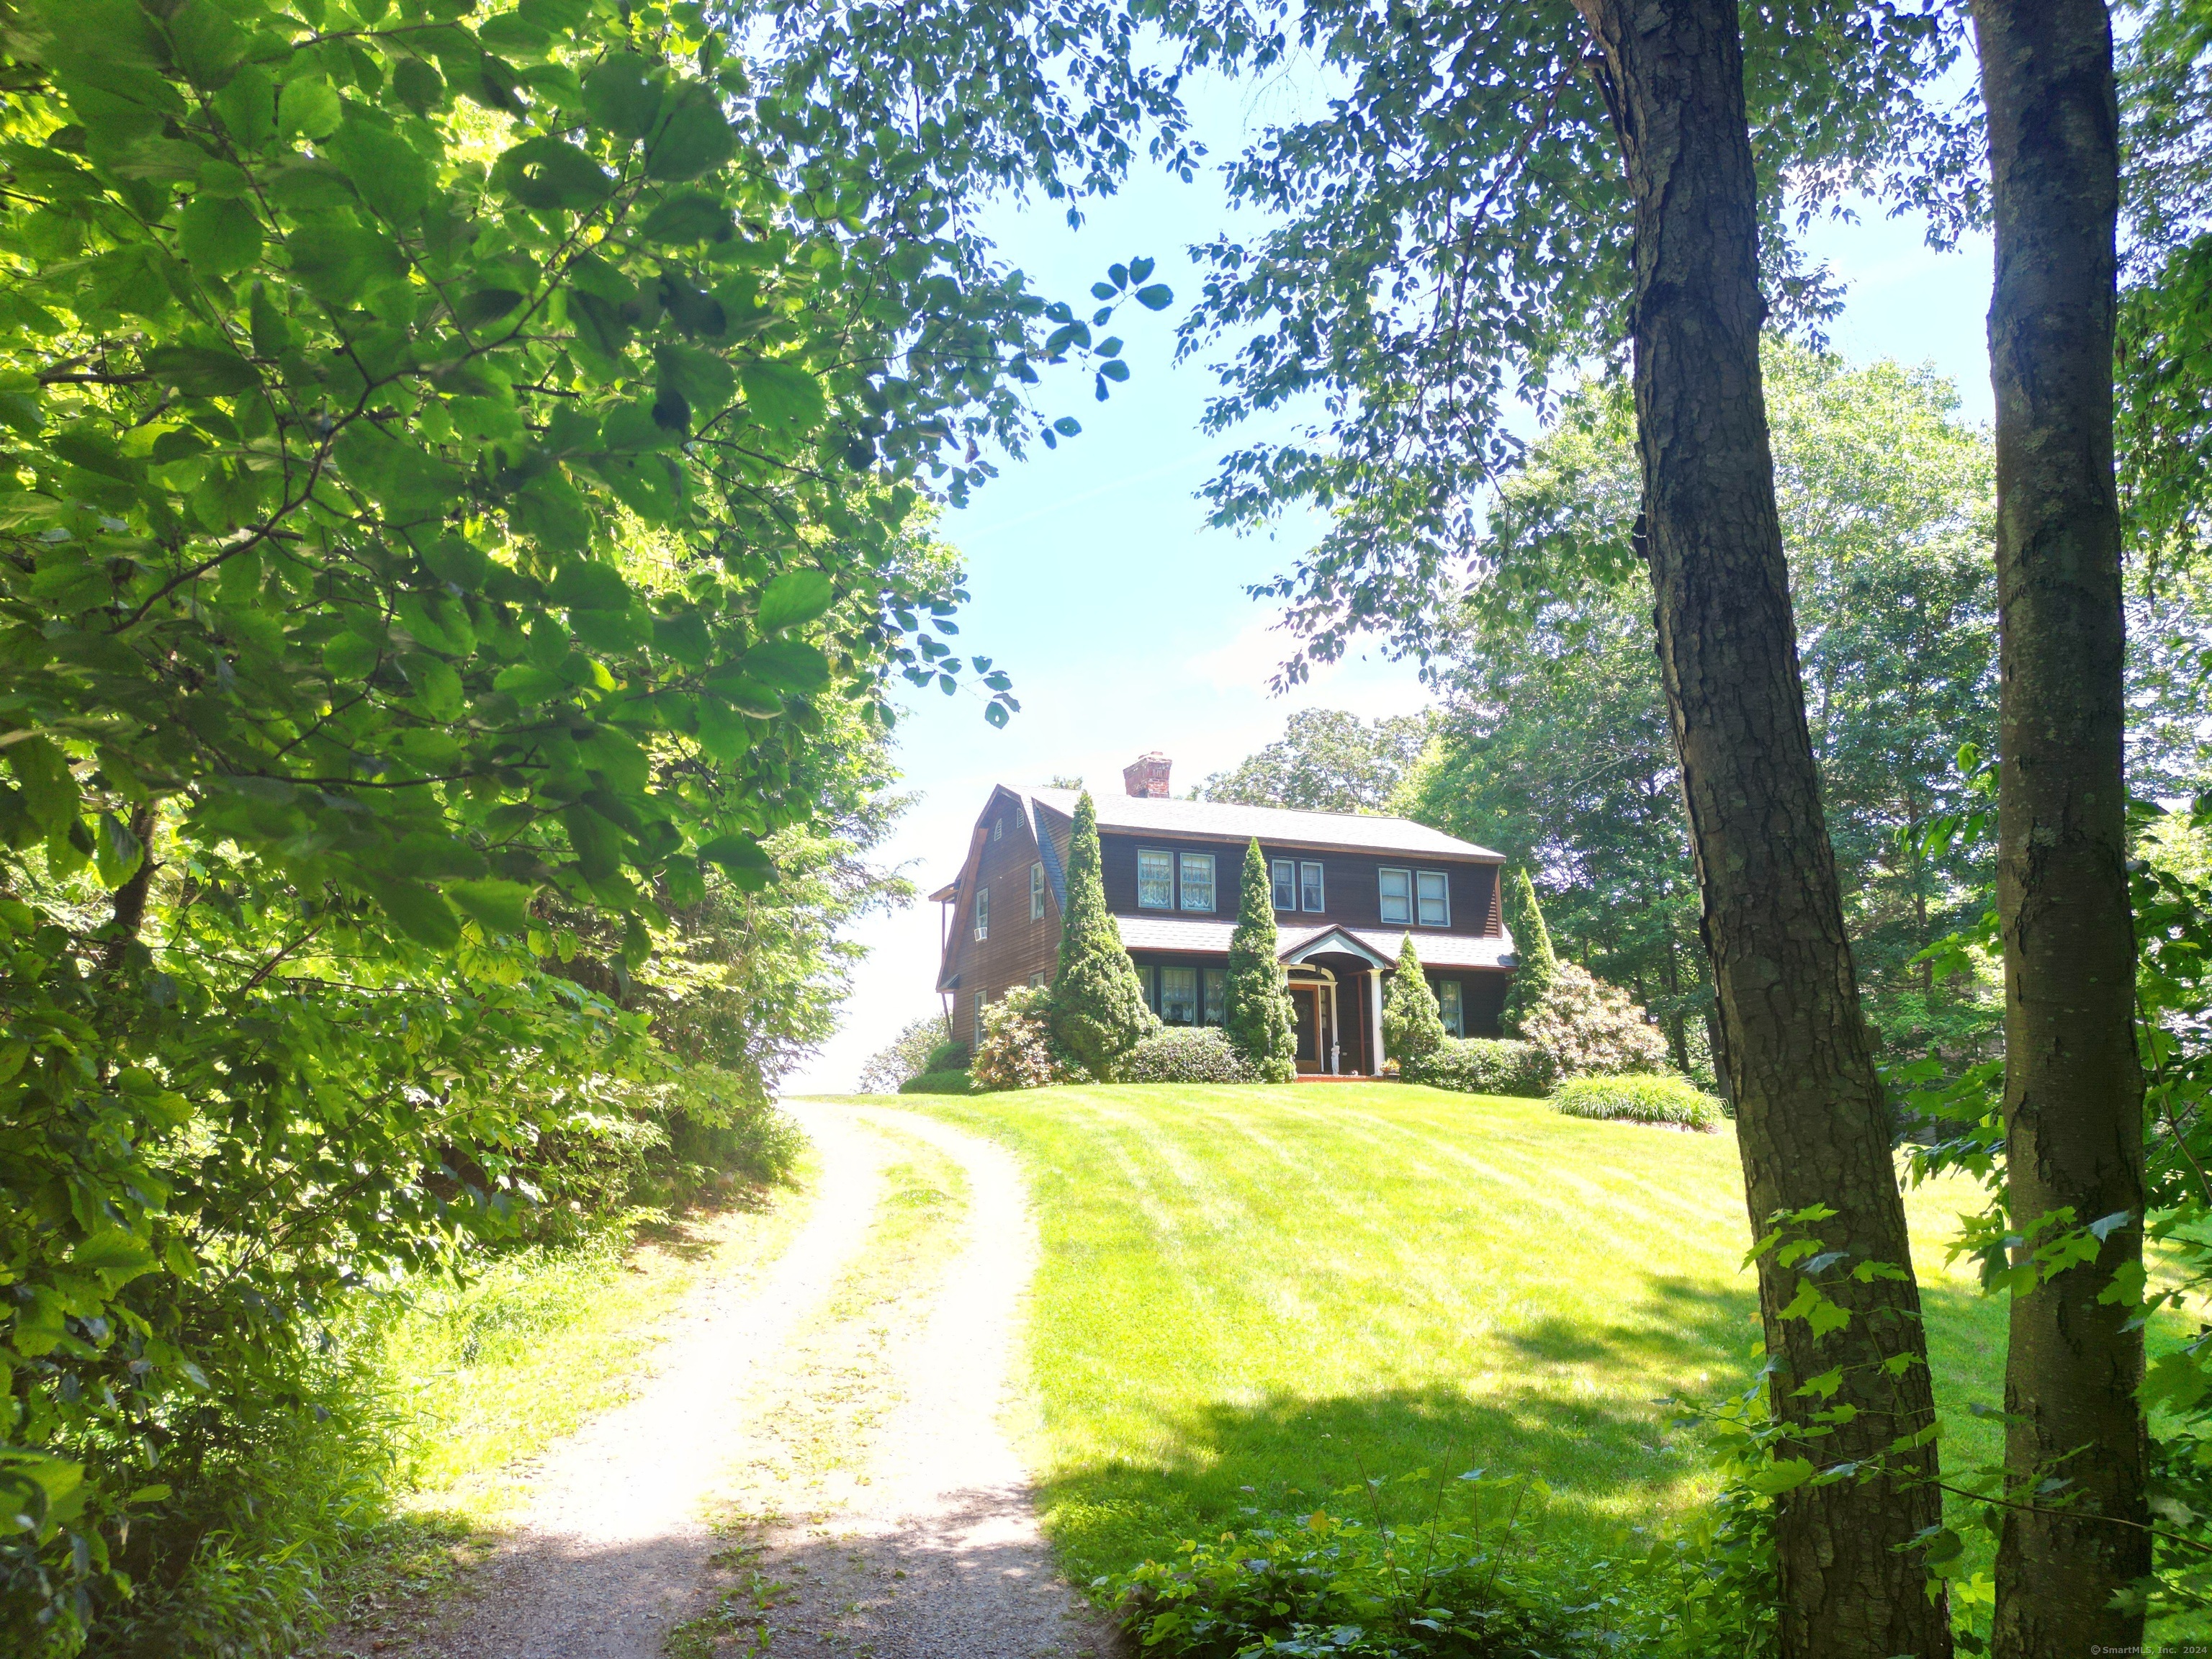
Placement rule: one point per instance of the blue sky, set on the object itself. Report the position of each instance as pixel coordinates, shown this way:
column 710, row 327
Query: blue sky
column 1124, row 621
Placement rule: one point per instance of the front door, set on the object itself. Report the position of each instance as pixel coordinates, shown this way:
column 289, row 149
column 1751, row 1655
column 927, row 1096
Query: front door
column 1313, row 1022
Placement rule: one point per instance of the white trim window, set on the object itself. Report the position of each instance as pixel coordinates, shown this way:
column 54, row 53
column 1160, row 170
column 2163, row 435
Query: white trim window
column 1452, row 1004
column 1285, row 873
column 1036, row 892
column 982, row 912
column 1432, row 889
column 1155, row 881
column 1179, row 996
column 1036, row 982
column 1197, row 873
column 1396, row 888
column 1213, row 996
column 1313, row 895
column 979, row 1022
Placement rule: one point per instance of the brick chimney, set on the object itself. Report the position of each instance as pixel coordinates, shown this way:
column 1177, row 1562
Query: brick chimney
column 1148, row 776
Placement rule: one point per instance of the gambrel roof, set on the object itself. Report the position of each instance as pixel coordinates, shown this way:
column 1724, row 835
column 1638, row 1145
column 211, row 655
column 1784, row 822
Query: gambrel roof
column 1278, row 825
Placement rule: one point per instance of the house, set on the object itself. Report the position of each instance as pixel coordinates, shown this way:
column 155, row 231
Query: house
column 1346, row 888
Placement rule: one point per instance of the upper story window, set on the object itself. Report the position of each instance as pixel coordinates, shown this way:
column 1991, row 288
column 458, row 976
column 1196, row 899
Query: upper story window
column 1197, row 881
column 982, row 912
column 1311, row 896
column 1434, row 892
column 1285, row 873
column 1452, row 1005
column 1397, row 886
column 998, row 829
column 1155, row 881
column 1036, row 892
column 1408, row 895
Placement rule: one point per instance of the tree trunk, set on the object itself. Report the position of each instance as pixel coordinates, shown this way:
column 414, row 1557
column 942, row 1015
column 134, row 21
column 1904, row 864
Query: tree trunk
column 1810, row 1116
column 2073, row 1092
column 128, row 913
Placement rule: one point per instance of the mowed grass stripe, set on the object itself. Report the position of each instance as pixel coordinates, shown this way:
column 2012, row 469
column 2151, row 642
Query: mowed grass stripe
column 1249, row 1292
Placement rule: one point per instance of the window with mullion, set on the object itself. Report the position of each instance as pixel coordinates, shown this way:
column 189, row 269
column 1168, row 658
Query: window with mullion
column 1197, row 870
column 1434, row 891
column 1313, row 895
column 1036, row 892
column 1213, row 996
column 1285, row 873
column 1397, row 892
column 1452, row 1007
column 1155, row 881
column 1179, row 996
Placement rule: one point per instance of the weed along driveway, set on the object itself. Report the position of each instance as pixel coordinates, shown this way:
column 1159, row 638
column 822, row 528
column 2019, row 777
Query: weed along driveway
column 817, row 1462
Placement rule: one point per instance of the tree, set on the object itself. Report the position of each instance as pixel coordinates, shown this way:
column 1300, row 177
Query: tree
column 1396, row 290
column 1412, row 1024
column 1098, row 1012
column 1258, row 1017
column 1326, row 760
column 2072, row 1091
column 1536, row 965
column 904, row 1056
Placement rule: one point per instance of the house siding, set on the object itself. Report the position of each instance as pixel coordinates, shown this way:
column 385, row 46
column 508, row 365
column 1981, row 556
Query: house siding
column 1018, row 946
column 1351, row 882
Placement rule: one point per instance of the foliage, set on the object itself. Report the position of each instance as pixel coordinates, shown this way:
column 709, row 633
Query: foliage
column 1327, row 761
column 1586, row 1028
column 1483, row 1066
column 1017, row 1051
column 939, row 1083
column 1258, row 1018
column 1537, row 964
column 947, row 1056
column 907, row 1054
column 1412, row 1024
column 1556, row 746
column 1468, row 1574
column 1187, row 1057
column 1631, row 1099
column 1098, row 1010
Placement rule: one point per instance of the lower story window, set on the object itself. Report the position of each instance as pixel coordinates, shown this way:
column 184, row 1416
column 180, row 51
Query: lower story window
column 979, row 1019
column 1213, row 988
column 1450, row 1004
column 1179, row 996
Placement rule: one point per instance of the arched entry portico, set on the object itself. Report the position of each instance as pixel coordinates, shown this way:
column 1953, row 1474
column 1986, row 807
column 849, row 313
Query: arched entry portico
column 1336, row 992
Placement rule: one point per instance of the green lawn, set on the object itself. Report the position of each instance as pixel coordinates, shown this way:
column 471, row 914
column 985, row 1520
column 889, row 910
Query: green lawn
column 1247, row 1291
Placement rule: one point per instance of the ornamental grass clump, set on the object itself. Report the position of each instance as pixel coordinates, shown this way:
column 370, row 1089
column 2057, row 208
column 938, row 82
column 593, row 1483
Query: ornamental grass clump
column 1666, row 1100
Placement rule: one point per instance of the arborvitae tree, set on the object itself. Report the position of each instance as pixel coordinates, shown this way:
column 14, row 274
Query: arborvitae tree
column 1098, row 1012
column 1259, row 1014
column 1532, row 942
column 1413, row 1024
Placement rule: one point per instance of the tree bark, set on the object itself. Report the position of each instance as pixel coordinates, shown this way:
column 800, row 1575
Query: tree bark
column 128, row 913
column 1811, row 1119
column 2072, row 1091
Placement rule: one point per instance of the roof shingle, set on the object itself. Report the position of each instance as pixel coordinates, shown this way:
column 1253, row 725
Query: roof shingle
column 1281, row 826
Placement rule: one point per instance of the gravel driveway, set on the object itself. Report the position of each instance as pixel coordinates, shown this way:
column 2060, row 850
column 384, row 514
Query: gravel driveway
column 937, row 1555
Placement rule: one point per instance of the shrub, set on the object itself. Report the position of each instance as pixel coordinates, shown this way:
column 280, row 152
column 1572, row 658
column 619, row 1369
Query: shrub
column 1187, row 1057
column 1018, row 1050
column 912, row 1052
column 940, row 1083
column 1098, row 1012
column 1413, row 1024
column 1532, row 945
column 1471, row 1578
column 1591, row 1029
column 948, row 1057
column 1260, row 1026
column 1639, row 1100
column 1483, row 1066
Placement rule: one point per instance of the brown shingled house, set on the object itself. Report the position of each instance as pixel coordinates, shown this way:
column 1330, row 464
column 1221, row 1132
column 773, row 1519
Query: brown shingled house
column 1346, row 888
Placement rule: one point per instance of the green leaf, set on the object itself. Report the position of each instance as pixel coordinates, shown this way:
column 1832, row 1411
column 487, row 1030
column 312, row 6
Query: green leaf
column 548, row 174
column 782, row 393
column 794, row 597
column 1156, row 297
column 50, row 789
column 218, row 235
column 309, row 108
column 419, row 86
column 741, row 857
column 683, row 221
column 598, row 842
column 502, row 907
column 787, row 665
column 747, row 696
column 117, row 853
column 419, row 912
column 392, row 176
column 200, row 371
column 350, row 657
column 686, row 886
column 582, row 585
column 620, row 96
column 694, row 138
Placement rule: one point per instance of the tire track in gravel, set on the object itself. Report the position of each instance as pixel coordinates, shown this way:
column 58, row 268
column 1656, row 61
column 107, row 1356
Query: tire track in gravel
column 611, row 1550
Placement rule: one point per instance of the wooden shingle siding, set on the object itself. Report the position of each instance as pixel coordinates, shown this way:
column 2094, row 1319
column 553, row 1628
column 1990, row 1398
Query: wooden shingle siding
column 1018, row 946
column 1351, row 884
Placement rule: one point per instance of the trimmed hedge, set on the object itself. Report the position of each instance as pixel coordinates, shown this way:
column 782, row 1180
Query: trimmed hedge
column 1482, row 1066
column 947, row 1057
column 940, row 1083
column 1673, row 1100
column 1184, row 1056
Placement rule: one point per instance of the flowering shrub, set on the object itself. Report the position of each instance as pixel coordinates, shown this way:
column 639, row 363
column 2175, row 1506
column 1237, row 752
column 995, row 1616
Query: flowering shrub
column 1482, row 1066
column 1017, row 1051
column 1186, row 1056
column 1588, row 1028
column 1673, row 1100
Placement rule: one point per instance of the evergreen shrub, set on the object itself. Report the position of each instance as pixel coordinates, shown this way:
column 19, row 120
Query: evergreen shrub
column 940, row 1083
column 1673, row 1100
column 1532, row 946
column 1098, row 1004
column 947, row 1057
column 1413, row 1024
column 1187, row 1057
column 1482, row 1066
column 1259, row 1024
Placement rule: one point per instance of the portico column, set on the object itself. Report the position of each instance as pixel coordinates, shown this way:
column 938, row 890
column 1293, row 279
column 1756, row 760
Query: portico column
column 1375, row 1020
column 1336, row 1029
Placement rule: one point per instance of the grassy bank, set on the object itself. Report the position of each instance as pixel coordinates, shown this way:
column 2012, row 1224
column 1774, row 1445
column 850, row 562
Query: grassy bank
column 1248, row 1292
